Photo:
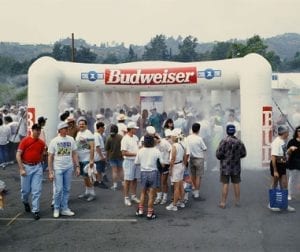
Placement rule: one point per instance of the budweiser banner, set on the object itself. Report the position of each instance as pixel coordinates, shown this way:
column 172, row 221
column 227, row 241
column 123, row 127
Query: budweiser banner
column 30, row 119
column 267, row 133
column 156, row 76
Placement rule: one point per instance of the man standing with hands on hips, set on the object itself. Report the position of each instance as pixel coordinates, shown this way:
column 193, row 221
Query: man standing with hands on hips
column 61, row 159
column 85, row 150
column 29, row 156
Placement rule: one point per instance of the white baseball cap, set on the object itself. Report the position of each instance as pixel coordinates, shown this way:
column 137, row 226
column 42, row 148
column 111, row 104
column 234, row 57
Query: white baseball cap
column 132, row 125
column 150, row 130
column 176, row 132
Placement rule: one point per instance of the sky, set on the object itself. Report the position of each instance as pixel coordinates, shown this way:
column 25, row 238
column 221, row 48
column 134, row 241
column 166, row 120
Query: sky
column 137, row 21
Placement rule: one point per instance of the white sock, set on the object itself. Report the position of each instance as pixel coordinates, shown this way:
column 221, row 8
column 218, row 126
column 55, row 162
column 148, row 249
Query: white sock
column 159, row 194
column 186, row 196
column 115, row 184
column 165, row 196
column 91, row 190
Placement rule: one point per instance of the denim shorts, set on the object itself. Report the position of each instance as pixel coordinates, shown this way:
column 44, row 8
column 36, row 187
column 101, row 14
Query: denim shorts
column 131, row 170
column 100, row 166
column 116, row 163
column 150, row 179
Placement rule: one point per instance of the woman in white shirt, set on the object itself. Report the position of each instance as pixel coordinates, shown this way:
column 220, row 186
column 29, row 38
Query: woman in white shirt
column 177, row 165
column 147, row 157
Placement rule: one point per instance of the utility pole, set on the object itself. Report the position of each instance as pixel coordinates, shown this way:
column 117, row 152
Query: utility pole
column 73, row 49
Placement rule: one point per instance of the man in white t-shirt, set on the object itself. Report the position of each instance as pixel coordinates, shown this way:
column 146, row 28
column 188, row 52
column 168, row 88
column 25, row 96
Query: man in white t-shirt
column 100, row 155
column 61, row 160
column 99, row 118
column 4, row 140
column 129, row 148
column 86, row 150
column 164, row 146
column 278, row 162
column 122, row 127
column 195, row 150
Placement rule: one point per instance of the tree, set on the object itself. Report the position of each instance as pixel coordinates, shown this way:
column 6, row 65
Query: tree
column 84, row 55
column 274, row 60
column 111, row 58
column 157, row 50
column 237, row 50
column 6, row 64
column 294, row 64
column 62, row 52
column 221, row 51
column 187, row 50
column 256, row 45
column 131, row 55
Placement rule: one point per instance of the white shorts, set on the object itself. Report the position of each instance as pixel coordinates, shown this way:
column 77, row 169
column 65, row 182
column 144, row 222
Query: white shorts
column 177, row 173
column 131, row 170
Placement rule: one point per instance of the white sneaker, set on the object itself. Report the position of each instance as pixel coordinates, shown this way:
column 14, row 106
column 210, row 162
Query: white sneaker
column 157, row 201
column 180, row 204
column 67, row 212
column 163, row 201
column 135, row 199
column 83, row 196
column 171, row 207
column 196, row 194
column 55, row 213
column 291, row 209
column 114, row 188
column 127, row 202
column 91, row 197
column 274, row 209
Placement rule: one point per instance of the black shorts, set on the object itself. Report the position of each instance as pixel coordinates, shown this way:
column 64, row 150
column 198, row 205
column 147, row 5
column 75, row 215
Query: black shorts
column 281, row 169
column 165, row 169
column 235, row 179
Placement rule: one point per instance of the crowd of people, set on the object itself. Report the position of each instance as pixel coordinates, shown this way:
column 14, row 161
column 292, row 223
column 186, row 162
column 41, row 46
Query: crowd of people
column 166, row 153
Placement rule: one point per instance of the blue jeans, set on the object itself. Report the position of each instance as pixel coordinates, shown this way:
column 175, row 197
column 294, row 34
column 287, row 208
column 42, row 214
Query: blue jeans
column 32, row 183
column 63, row 178
column 3, row 153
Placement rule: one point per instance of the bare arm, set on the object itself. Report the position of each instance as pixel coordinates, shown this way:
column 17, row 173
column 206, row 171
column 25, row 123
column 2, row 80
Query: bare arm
column 20, row 164
column 76, row 163
column 173, row 157
column 50, row 166
column 273, row 159
column 92, row 146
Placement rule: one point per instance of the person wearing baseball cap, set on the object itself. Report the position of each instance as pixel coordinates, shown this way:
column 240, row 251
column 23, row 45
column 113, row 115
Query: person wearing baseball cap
column 229, row 152
column 29, row 157
column 279, row 164
column 129, row 148
column 122, row 127
column 62, row 159
column 164, row 146
column 99, row 118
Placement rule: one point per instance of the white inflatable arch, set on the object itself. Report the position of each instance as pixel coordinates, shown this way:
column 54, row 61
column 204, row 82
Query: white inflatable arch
column 251, row 74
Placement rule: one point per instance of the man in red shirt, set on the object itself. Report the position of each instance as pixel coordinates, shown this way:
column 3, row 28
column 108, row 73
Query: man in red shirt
column 29, row 156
